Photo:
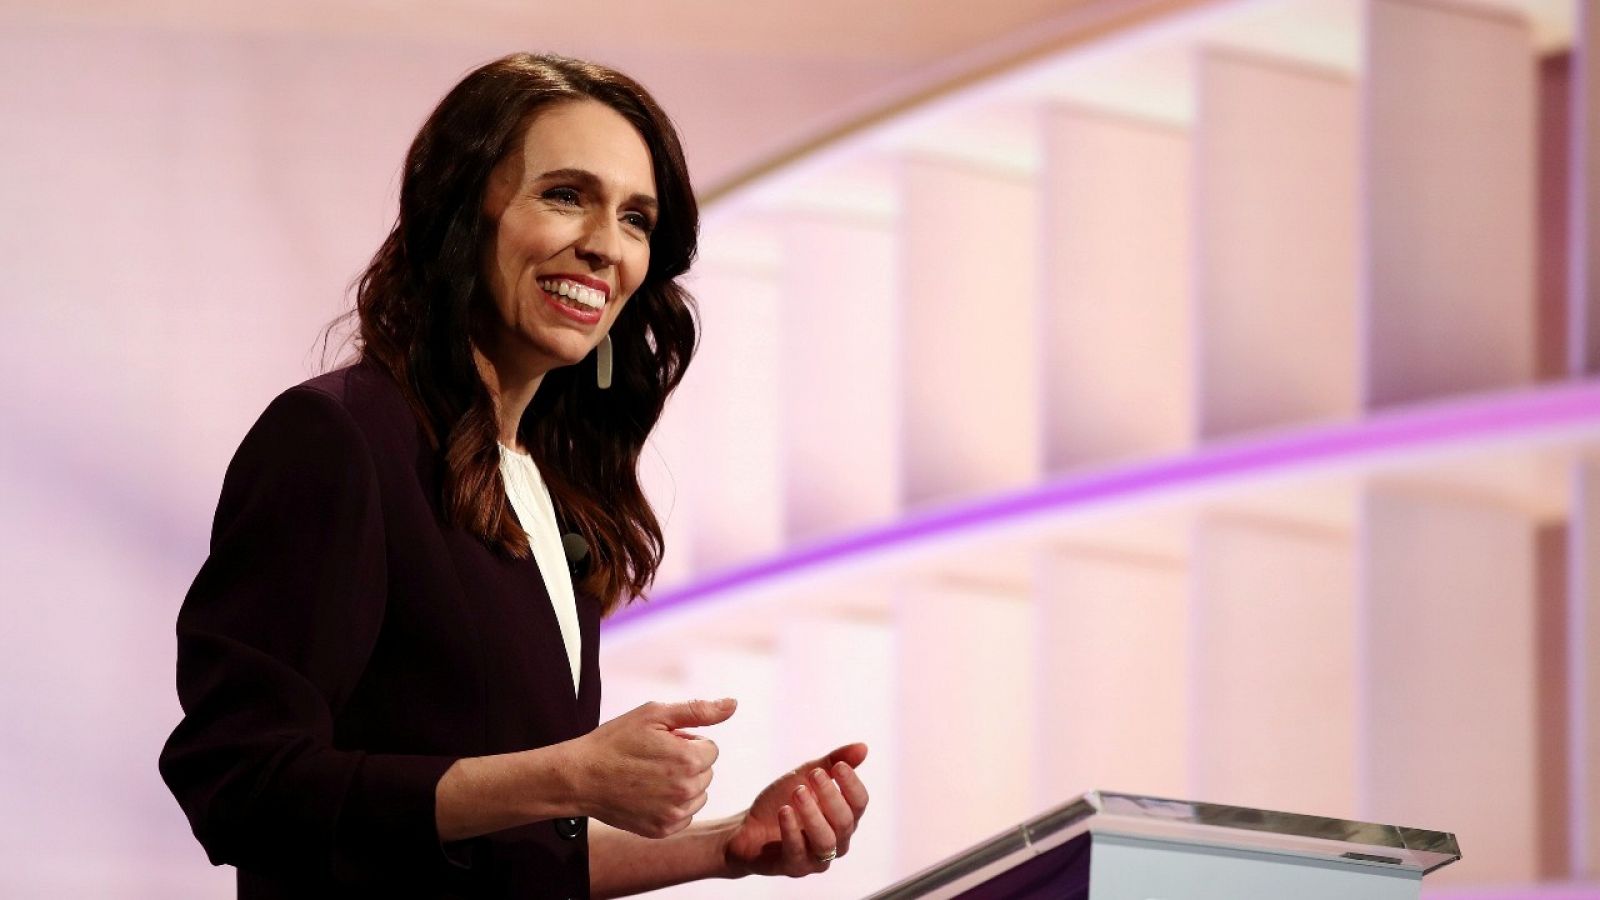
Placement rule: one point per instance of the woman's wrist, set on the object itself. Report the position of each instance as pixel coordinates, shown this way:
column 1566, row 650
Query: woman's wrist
column 622, row 863
column 554, row 781
column 483, row 794
column 720, row 832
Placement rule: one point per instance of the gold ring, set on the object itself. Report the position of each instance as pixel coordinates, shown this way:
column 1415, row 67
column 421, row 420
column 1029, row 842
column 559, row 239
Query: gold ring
column 830, row 856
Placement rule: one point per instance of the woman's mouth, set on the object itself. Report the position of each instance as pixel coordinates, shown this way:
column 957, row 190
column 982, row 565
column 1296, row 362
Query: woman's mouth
column 578, row 301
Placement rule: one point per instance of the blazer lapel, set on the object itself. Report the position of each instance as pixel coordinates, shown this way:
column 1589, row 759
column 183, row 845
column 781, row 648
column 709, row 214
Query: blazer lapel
column 588, row 700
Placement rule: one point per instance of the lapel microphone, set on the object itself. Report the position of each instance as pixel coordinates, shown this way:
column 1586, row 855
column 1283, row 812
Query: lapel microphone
column 576, row 549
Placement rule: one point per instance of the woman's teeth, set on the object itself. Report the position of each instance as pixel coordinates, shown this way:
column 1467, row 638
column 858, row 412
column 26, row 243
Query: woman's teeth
column 586, row 296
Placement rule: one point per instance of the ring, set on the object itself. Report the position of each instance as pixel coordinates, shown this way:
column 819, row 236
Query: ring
column 830, row 856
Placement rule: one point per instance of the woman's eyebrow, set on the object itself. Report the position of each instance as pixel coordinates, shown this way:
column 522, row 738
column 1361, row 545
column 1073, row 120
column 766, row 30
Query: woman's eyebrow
column 592, row 182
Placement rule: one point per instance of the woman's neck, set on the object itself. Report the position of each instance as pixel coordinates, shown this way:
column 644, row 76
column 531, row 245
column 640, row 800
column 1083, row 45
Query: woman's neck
column 511, row 391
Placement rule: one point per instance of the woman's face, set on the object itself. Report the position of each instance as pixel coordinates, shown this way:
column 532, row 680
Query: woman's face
column 574, row 209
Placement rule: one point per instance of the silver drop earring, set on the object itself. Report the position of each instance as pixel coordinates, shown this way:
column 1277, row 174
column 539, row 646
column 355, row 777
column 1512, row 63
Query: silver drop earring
column 602, row 363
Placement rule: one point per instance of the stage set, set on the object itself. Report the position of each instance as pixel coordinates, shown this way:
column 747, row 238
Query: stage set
column 1167, row 432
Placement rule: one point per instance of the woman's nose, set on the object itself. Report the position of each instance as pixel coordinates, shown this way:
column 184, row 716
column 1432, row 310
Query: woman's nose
column 601, row 242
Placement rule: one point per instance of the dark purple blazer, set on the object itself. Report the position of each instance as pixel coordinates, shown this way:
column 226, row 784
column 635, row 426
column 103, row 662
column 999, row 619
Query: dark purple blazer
column 342, row 646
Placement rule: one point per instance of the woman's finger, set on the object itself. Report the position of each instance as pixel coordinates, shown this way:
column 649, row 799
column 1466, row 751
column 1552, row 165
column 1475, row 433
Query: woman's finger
column 697, row 804
column 821, row 843
column 701, row 782
column 834, row 808
column 702, row 750
column 855, row 793
column 794, row 842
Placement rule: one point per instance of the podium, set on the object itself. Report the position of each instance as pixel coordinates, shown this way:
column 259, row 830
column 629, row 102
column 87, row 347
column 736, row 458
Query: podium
column 1107, row 846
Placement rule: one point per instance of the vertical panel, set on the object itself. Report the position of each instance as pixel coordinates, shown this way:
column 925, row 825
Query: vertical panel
column 1449, row 179
column 1276, row 150
column 1552, row 704
column 1114, row 351
column 1110, row 639
column 964, row 718
column 970, row 410
column 1584, row 236
column 1274, row 666
column 838, row 685
column 1552, row 340
column 731, row 393
column 1447, row 700
column 1583, row 660
column 840, row 373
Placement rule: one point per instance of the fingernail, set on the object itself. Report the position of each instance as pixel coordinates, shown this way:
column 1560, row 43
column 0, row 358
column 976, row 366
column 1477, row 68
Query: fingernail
column 840, row 768
column 800, row 792
column 818, row 775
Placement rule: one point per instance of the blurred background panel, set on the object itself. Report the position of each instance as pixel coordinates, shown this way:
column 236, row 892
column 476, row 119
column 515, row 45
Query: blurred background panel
column 1186, row 397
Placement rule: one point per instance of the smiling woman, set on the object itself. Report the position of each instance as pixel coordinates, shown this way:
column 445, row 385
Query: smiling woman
column 522, row 172
column 575, row 209
column 388, row 664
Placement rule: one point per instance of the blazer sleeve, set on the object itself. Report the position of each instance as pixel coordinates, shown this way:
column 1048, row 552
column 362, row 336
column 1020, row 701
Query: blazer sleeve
column 272, row 638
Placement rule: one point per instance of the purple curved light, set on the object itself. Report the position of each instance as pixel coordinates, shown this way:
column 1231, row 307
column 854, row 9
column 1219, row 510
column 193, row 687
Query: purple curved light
column 1524, row 413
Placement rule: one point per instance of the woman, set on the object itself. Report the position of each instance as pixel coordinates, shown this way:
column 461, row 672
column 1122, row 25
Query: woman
column 388, row 672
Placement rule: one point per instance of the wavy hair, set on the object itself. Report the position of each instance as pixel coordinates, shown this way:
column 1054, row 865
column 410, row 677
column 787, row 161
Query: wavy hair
column 418, row 298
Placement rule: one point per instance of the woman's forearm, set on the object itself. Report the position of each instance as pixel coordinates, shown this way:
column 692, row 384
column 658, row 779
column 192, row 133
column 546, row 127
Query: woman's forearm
column 622, row 863
column 482, row 794
column 637, row 770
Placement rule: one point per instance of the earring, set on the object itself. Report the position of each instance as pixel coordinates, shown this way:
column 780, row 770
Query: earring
column 602, row 363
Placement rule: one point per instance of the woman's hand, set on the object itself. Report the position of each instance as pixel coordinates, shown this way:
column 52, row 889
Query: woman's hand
column 639, row 773
column 802, row 821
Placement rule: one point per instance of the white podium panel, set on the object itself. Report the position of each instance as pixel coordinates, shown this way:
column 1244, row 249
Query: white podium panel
column 1126, row 868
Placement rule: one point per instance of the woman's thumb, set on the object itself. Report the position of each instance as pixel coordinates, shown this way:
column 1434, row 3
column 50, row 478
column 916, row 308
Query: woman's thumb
column 696, row 713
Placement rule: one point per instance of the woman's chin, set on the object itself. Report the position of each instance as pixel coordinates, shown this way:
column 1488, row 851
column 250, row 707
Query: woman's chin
column 576, row 355
column 563, row 351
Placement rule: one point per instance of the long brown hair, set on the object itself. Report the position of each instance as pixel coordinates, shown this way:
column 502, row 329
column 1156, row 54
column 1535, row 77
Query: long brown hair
column 418, row 298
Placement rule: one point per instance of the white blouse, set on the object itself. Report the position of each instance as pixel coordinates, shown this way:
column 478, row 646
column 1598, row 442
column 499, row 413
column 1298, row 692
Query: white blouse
column 530, row 499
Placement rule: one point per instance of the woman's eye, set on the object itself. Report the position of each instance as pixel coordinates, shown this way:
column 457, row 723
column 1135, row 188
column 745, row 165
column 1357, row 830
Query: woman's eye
column 640, row 221
column 564, row 195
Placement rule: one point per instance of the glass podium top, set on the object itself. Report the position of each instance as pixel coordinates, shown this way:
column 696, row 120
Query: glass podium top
column 1067, row 829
